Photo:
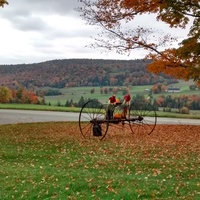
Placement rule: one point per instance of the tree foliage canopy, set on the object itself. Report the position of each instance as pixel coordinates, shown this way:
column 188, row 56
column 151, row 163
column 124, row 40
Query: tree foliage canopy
column 5, row 94
column 113, row 15
column 3, row 2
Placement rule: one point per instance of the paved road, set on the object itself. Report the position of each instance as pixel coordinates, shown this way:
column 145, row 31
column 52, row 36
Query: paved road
column 24, row 116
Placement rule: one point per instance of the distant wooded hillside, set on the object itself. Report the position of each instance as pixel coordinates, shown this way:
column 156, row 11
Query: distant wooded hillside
column 80, row 72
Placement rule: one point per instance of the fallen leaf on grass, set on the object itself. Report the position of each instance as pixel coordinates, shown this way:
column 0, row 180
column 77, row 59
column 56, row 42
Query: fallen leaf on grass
column 111, row 189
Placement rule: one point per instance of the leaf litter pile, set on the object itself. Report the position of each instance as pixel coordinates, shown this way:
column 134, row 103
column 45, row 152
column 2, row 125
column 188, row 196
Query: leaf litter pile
column 53, row 161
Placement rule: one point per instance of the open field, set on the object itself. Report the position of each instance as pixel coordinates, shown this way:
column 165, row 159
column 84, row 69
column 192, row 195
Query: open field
column 52, row 161
column 75, row 93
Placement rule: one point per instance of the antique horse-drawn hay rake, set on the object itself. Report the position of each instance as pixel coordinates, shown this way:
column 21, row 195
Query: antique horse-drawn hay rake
column 95, row 118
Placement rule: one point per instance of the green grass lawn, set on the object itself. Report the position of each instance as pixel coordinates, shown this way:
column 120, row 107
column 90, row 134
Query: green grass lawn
column 76, row 93
column 38, row 107
column 52, row 161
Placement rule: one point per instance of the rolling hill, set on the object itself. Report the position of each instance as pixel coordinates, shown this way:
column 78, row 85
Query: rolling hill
column 80, row 72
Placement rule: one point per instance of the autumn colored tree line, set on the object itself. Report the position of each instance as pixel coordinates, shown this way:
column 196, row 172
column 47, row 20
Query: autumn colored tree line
column 48, row 92
column 148, row 103
column 191, row 102
column 158, row 88
column 67, row 73
column 79, row 104
column 183, row 103
column 17, row 96
column 114, row 90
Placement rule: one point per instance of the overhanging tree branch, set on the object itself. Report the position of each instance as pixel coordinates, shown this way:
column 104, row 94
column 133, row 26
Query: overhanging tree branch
column 112, row 16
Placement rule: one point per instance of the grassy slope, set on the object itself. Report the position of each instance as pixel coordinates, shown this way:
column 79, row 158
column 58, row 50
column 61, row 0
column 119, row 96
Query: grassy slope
column 76, row 92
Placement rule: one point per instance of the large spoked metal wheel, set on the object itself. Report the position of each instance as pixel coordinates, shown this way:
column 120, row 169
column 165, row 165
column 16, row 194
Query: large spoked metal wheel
column 92, row 120
column 142, row 118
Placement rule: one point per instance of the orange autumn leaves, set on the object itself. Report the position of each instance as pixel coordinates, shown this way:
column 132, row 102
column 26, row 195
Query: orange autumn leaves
column 181, row 63
column 17, row 96
column 166, row 138
column 3, row 2
column 169, row 64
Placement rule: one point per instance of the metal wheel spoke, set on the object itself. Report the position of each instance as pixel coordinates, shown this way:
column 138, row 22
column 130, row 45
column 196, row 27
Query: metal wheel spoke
column 144, row 116
column 90, row 120
column 86, row 128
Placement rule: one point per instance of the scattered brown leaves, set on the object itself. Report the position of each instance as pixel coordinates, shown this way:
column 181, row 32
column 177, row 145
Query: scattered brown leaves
column 181, row 137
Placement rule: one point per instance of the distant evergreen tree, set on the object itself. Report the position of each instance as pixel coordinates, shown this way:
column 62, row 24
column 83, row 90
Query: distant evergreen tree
column 67, row 104
column 58, row 103
column 71, row 103
column 43, row 101
column 81, row 102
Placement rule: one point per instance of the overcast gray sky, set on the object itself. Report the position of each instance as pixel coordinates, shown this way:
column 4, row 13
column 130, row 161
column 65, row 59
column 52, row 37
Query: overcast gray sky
column 39, row 30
